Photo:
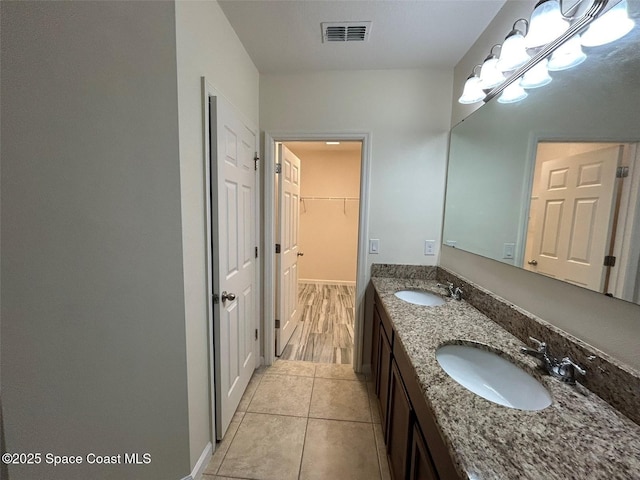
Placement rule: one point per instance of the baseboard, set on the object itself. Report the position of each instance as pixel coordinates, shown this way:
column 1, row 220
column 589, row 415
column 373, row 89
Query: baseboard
column 201, row 464
column 327, row 282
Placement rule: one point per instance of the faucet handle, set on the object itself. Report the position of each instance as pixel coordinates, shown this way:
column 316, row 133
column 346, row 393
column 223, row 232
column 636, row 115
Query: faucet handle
column 566, row 362
column 542, row 346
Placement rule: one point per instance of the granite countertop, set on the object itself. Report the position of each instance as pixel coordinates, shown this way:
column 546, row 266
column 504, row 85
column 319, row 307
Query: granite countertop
column 579, row 436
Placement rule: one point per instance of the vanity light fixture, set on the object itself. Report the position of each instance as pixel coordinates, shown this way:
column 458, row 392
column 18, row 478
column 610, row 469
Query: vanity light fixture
column 490, row 75
column 472, row 91
column 567, row 55
column 513, row 53
column 552, row 41
column 538, row 76
column 611, row 26
column 547, row 23
column 332, row 143
column 513, row 93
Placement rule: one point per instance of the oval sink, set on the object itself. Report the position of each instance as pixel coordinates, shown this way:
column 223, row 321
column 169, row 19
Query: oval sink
column 492, row 377
column 420, row 297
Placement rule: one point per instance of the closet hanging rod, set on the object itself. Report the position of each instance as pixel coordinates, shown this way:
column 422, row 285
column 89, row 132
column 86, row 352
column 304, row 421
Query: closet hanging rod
column 329, row 198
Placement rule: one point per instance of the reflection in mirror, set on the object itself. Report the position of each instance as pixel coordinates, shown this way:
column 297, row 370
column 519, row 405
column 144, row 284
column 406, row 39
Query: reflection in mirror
column 580, row 214
column 535, row 184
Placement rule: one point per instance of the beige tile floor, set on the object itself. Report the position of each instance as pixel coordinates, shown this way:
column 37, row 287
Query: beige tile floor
column 307, row 421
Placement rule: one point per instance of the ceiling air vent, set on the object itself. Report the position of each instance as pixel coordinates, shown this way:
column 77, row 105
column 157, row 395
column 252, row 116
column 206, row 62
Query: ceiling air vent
column 345, row 31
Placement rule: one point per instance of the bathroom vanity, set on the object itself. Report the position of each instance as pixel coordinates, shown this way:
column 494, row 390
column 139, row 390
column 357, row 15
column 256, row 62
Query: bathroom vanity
column 434, row 428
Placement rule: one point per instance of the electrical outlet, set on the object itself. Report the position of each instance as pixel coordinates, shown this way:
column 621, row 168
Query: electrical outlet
column 509, row 250
column 451, row 243
column 374, row 245
column 429, row 247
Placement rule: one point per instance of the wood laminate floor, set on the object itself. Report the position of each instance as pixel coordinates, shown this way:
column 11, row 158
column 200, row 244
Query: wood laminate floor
column 325, row 332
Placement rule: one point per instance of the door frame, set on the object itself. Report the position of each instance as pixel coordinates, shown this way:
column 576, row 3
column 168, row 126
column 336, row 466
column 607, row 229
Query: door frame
column 209, row 91
column 270, row 140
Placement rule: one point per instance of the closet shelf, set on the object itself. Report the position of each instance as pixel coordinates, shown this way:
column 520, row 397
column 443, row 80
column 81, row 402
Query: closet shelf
column 329, row 198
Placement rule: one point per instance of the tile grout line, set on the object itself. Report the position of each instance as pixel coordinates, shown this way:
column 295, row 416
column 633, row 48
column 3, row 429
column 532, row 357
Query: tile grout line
column 375, row 442
column 306, row 427
column 230, row 442
column 242, row 420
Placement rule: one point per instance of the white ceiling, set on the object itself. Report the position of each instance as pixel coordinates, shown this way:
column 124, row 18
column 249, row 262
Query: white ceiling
column 285, row 35
column 300, row 148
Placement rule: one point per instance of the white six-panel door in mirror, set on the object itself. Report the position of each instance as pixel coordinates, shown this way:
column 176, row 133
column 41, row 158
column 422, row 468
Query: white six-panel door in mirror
column 572, row 204
column 287, row 261
column 236, row 270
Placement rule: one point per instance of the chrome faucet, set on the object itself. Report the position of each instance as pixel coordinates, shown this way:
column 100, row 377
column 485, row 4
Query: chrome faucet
column 564, row 370
column 453, row 291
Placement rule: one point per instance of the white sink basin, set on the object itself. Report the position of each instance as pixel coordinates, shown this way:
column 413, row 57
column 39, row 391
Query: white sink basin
column 420, row 297
column 492, row 377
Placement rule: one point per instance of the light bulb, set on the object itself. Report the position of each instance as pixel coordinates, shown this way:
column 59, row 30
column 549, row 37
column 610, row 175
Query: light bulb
column 512, row 94
column 567, row 56
column 611, row 26
column 513, row 53
column 490, row 76
column 472, row 91
column 538, row 76
column 547, row 24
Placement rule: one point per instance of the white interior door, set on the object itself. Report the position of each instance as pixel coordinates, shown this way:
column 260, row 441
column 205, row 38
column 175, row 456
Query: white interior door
column 287, row 311
column 234, row 265
column 568, row 233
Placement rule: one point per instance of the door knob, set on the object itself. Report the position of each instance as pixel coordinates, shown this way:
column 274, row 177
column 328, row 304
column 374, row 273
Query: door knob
column 533, row 262
column 227, row 296
column 301, row 254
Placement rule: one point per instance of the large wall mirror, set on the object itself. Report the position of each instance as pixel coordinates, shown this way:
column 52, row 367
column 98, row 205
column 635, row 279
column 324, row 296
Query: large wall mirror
column 552, row 183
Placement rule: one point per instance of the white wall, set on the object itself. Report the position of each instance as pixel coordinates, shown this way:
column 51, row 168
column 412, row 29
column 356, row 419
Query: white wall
column 329, row 228
column 609, row 324
column 407, row 113
column 206, row 46
column 93, row 340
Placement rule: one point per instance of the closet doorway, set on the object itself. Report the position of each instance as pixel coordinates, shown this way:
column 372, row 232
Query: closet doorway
column 328, row 209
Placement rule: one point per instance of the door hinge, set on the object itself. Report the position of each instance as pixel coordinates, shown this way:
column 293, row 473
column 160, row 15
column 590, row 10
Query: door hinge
column 256, row 252
column 609, row 261
column 256, row 333
column 622, row 172
column 277, row 248
column 277, row 323
column 278, row 168
column 216, row 298
column 256, row 159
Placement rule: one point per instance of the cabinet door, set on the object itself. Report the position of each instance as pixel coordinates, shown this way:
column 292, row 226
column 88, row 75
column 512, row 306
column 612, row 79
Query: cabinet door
column 421, row 467
column 424, row 417
column 399, row 426
column 384, row 373
column 375, row 348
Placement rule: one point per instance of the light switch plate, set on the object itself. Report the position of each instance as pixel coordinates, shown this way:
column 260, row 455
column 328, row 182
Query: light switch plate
column 374, row 245
column 429, row 247
column 509, row 250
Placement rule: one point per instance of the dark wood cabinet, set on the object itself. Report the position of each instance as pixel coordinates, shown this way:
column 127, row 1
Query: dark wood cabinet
column 384, row 375
column 415, row 448
column 420, row 464
column 399, row 425
column 375, row 348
